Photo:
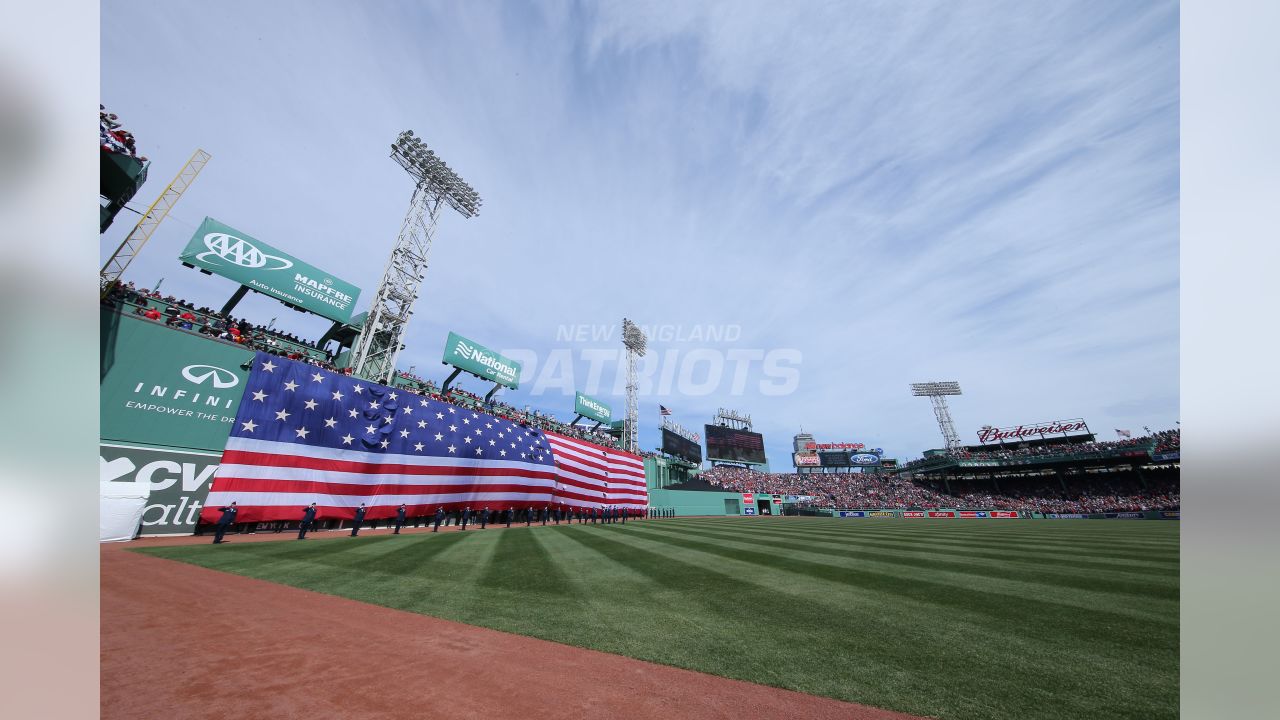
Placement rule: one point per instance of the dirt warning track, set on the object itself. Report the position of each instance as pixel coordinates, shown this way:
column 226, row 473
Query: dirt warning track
column 179, row 641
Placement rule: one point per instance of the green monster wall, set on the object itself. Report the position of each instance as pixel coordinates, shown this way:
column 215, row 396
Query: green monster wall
column 167, row 399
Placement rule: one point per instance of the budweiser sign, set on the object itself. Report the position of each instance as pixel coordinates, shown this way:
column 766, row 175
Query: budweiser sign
column 1021, row 432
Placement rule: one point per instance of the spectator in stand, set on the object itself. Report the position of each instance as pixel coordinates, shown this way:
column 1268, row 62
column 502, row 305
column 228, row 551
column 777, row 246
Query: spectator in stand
column 152, row 314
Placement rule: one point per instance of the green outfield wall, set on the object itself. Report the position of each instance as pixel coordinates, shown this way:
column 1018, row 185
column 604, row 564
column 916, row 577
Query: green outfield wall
column 166, row 402
column 689, row 502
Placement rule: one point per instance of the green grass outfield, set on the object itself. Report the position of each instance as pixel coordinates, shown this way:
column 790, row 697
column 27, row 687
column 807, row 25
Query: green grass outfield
column 955, row 619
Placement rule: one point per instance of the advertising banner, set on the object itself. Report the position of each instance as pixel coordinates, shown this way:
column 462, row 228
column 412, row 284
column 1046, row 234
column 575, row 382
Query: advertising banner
column 942, row 513
column 1125, row 516
column 1017, row 433
column 913, row 513
column 179, row 481
column 973, row 513
column 748, row 498
column 1170, row 514
column 479, row 360
column 592, row 409
column 803, row 459
column 852, row 514
column 1004, row 513
column 1069, row 516
column 161, row 386
column 1167, row 456
column 881, row 514
column 864, row 459
column 236, row 256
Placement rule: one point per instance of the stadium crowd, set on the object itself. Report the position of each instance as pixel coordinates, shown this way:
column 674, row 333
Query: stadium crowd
column 1168, row 438
column 114, row 138
column 1119, row 491
column 183, row 315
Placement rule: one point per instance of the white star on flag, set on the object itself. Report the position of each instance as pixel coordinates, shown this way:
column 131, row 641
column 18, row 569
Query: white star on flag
column 337, row 394
column 291, row 386
column 330, row 422
column 302, row 433
column 346, row 439
column 259, row 396
column 318, row 377
column 249, row 425
column 268, row 366
column 310, row 404
column 282, row 414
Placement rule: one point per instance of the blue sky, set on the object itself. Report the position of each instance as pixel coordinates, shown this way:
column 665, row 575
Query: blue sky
column 984, row 192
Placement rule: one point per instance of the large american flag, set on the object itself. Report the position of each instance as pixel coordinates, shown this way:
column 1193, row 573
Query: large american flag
column 303, row 435
column 589, row 475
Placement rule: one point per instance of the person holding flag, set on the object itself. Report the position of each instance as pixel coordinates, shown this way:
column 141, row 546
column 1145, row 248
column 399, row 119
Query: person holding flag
column 308, row 517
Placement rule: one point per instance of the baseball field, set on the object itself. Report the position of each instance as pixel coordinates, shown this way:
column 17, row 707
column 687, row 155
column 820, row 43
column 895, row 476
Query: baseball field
column 956, row 619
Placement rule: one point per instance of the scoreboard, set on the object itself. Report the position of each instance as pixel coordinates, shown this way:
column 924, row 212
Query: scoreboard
column 681, row 447
column 724, row 443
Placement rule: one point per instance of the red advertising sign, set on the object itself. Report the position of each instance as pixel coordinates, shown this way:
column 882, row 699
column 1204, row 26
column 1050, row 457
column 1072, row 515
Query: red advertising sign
column 748, row 498
column 1003, row 513
column 913, row 513
column 942, row 513
column 806, row 459
column 1035, row 430
column 834, row 446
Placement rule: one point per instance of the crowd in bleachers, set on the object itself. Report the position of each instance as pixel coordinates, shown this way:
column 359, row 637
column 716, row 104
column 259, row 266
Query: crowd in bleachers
column 114, row 138
column 1119, row 491
column 183, row 315
column 1168, row 441
column 998, row 452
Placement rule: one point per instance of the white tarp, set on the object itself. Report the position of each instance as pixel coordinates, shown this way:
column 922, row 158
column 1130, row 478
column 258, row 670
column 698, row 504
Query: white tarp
column 120, row 506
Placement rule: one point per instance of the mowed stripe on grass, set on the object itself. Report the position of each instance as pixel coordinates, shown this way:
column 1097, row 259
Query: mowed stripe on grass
column 946, row 618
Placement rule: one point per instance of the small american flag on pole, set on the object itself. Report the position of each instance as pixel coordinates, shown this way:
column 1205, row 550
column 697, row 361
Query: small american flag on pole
column 1123, row 433
column 662, row 410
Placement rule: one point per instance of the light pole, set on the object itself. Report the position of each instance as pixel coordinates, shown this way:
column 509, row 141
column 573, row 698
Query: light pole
column 435, row 184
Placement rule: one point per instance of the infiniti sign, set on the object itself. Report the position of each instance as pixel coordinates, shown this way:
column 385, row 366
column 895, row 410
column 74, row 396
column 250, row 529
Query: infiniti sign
column 239, row 251
column 221, row 377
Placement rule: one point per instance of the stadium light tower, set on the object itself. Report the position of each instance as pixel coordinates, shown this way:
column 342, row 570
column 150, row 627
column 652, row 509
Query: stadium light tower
column 634, row 340
column 435, row 184
column 938, row 392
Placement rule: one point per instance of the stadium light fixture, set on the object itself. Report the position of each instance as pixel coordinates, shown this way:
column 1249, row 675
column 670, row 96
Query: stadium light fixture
column 633, row 337
column 929, row 389
column 937, row 392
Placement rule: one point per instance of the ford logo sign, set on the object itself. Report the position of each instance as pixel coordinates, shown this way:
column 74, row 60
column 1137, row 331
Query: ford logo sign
column 865, row 459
